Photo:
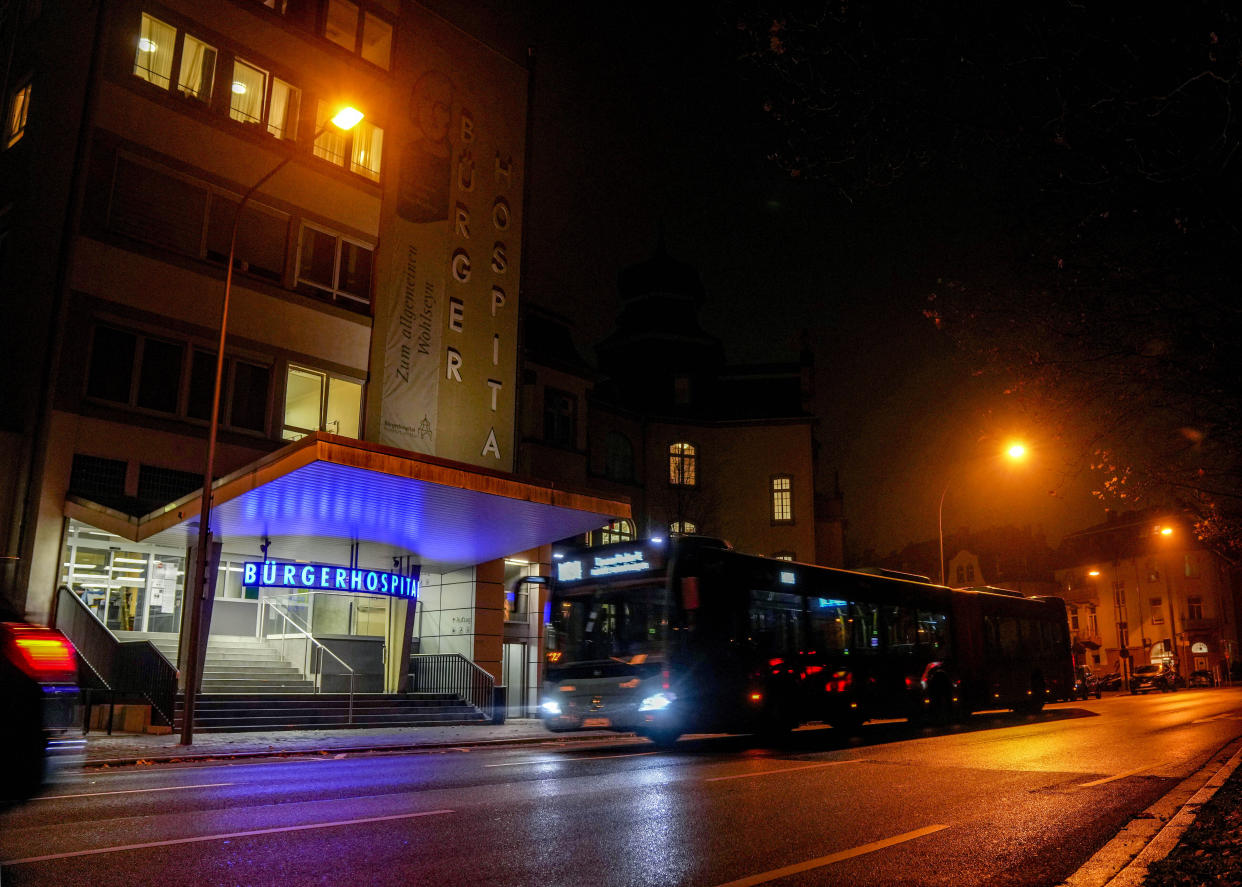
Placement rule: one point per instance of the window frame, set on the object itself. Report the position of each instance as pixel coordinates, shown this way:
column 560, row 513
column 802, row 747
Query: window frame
column 326, row 378
column 781, row 500
column 363, row 16
column 560, row 426
column 15, row 129
column 683, row 454
column 335, row 295
column 342, row 149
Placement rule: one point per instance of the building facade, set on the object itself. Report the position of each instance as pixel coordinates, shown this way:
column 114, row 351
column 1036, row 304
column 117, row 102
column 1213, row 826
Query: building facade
column 1141, row 589
column 695, row 444
column 160, row 155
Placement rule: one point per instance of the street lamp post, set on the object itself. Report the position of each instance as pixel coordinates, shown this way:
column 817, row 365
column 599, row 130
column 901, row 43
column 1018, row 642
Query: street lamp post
column 345, row 119
column 1016, row 452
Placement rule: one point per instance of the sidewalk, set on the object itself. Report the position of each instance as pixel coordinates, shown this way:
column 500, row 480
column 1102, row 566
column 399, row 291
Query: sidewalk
column 121, row 749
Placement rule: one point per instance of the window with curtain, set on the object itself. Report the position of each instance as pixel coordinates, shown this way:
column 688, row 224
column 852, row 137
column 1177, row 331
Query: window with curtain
column 198, row 69
column 248, row 90
column 331, row 144
column 282, row 111
column 154, row 59
column 683, row 526
column 368, row 145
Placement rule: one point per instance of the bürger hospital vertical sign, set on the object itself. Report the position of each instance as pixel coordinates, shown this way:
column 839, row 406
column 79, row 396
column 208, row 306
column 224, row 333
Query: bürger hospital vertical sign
column 446, row 312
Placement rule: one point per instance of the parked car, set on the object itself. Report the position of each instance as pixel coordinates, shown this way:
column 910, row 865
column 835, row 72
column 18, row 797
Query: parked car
column 1202, row 678
column 1086, row 683
column 1111, row 681
column 1153, row 677
column 38, row 702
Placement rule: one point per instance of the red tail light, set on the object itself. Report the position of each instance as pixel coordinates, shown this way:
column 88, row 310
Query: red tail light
column 43, row 653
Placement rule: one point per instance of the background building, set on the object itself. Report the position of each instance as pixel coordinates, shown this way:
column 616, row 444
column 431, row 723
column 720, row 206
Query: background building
column 1140, row 585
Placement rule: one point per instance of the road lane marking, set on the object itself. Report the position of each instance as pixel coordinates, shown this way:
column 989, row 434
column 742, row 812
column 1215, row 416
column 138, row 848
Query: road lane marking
column 831, row 858
column 559, row 760
column 781, row 770
column 1111, row 778
column 220, row 837
column 132, row 791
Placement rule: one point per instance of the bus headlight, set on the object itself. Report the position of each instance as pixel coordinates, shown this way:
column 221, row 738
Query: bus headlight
column 658, row 701
column 551, row 707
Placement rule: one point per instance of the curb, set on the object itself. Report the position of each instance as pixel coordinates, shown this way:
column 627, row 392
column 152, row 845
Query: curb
column 1154, row 833
column 193, row 758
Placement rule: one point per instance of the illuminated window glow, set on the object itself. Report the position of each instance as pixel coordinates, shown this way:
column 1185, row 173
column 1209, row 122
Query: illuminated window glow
column 682, row 465
column 19, row 108
column 782, row 499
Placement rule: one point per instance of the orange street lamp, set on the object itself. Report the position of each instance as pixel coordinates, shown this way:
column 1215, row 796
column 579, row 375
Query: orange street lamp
column 345, row 119
column 1016, row 452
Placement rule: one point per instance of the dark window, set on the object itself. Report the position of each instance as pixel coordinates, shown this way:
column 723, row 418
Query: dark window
column 262, row 236
column 618, row 458
column 202, row 383
column 558, row 417
column 250, row 384
column 158, row 208
column 159, row 381
column 112, row 364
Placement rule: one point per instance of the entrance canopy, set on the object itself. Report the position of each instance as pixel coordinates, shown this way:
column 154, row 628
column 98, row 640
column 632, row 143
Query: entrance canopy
column 324, row 489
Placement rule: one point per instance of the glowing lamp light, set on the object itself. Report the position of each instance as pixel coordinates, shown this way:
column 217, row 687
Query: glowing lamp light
column 239, row 88
column 1016, row 451
column 145, row 45
column 1093, row 572
column 347, row 118
column 1166, row 531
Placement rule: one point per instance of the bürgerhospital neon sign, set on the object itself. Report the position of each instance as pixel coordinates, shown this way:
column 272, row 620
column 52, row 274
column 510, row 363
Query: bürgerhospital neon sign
column 280, row 574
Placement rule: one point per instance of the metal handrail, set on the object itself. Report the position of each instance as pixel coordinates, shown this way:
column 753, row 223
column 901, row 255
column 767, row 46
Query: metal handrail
column 306, row 634
column 453, row 673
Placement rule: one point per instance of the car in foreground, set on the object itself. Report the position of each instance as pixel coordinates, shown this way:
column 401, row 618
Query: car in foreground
column 1086, row 683
column 38, row 705
column 1153, row 677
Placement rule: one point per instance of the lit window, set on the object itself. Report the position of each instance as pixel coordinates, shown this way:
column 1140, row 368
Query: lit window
column 1194, row 608
column 315, row 401
column 198, row 69
column 363, row 144
column 331, row 267
column 1073, row 618
column 683, row 526
column 282, row 110
column 368, row 147
column 682, row 467
column 341, row 23
column 616, row 531
column 784, row 556
column 782, row 499
column 248, row 90
column 376, row 40
column 154, row 58
column 19, row 107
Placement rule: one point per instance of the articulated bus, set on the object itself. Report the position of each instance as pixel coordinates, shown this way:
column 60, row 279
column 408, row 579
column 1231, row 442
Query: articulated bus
column 690, row 636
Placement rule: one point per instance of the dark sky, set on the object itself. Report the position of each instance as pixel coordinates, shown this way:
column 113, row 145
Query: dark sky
column 643, row 123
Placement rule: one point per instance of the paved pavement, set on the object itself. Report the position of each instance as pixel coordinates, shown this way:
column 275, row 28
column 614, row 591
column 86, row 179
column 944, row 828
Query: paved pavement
column 1122, row 863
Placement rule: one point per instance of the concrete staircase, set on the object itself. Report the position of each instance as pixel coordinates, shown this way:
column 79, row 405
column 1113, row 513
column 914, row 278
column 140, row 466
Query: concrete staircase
column 235, row 665
column 247, row 685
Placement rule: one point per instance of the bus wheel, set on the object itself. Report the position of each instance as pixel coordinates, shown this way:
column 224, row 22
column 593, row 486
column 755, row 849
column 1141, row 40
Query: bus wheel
column 942, row 711
column 1034, row 703
column 847, row 720
column 664, row 737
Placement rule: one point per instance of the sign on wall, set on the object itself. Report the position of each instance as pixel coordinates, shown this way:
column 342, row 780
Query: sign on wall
column 282, row 574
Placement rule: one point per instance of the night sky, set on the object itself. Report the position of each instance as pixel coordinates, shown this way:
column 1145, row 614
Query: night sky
column 645, row 124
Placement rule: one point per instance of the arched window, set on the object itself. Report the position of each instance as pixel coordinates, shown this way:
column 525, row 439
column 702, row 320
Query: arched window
column 618, row 458
column 682, row 465
column 616, row 531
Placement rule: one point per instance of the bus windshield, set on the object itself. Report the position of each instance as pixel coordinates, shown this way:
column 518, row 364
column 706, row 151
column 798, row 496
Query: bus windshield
column 593, row 625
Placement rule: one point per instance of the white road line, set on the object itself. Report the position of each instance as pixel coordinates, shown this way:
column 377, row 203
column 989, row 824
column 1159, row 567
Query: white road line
column 640, row 754
column 831, row 858
column 1111, row 778
column 132, row 791
column 781, row 770
column 200, row 838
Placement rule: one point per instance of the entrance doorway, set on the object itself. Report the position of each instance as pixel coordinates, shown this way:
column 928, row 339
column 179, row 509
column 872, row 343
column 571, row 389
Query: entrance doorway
column 515, row 672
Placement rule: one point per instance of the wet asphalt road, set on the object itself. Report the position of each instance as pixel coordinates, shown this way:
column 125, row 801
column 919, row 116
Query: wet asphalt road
column 1002, row 800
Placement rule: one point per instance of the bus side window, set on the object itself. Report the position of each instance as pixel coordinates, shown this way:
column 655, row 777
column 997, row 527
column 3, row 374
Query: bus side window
column 828, row 624
column 934, row 632
column 776, row 623
column 864, row 628
column 901, row 629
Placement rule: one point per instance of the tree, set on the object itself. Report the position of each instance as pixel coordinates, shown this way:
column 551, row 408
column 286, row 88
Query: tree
column 1095, row 146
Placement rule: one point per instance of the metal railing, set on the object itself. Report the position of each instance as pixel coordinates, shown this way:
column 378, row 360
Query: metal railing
column 119, row 670
column 310, row 646
column 455, row 674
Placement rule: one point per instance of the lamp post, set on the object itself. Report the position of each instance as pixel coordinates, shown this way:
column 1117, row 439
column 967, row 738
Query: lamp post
column 345, row 119
column 1015, row 452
